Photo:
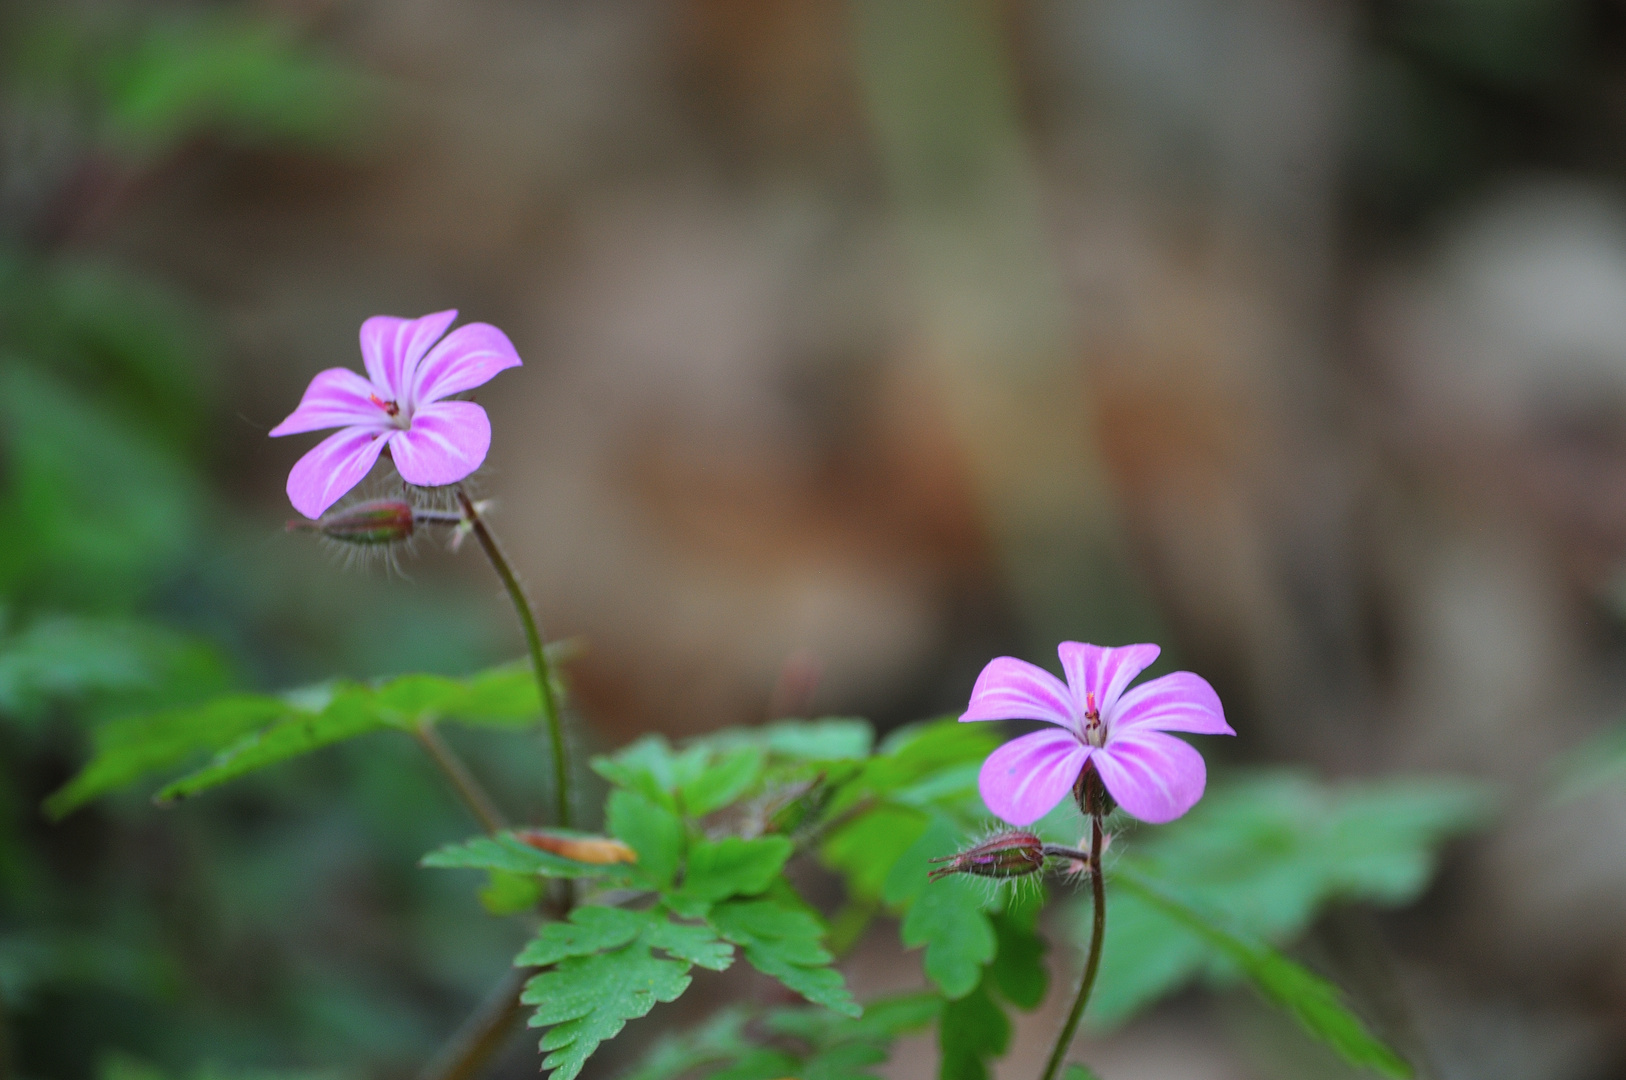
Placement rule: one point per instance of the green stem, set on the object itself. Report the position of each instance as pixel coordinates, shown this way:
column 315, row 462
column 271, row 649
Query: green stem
column 539, row 658
column 1098, row 933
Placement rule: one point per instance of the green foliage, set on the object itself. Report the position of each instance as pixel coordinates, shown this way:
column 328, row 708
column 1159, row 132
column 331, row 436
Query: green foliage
column 504, row 853
column 784, row 942
column 247, row 732
column 590, row 998
column 802, row 1042
column 946, row 916
column 972, row 1032
column 728, row 867
column 1270, row 850
column 66, row 658
column 653, row 831
column 1312, row 1001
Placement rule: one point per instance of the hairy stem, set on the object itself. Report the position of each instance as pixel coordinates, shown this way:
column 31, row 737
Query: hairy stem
column 539, row 659
column 482, row 1034
column 1098, row 933
column 468, row 788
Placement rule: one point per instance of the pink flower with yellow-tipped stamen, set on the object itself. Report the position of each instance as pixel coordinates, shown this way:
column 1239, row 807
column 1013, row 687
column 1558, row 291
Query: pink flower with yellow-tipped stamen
column 1122, row 732
column 402, row 405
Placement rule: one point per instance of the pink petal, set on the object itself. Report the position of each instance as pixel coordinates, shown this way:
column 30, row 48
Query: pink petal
column 1102, row 670
column 1154, row 777
column 333, row 467
column 1012, row 689
column 468, row 357
column 391, row 349
column 447, row 441
column 337, row 397
column 1178, row 702
column 1025, row 778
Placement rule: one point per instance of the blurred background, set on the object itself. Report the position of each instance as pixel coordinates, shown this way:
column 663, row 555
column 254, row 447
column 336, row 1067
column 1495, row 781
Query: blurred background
column 862, row 343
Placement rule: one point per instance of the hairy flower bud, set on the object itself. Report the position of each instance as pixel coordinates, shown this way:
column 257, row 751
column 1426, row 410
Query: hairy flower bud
column 599, row 850
column 377, row 521
column 1007, row 855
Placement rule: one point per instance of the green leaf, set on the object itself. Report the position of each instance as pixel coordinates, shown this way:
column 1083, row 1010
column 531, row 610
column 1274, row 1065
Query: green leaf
column 590, row 930
column 826, row 740
column 785, row 943
column 972, row 1031
column 1078, row 1072
column 1018, row 970
column 866, row 849
column 590, row 998
column 508, row 894
column 722, row 781
column 719, row 1039
column 345, row 718
column 250, row 731
column 653, row 831
column 70, row 657
column 1315, row 1003
column 732, row 866
column 698, row 944
column 946, row 915
column 1269, row 850
column 504, row 853
column 129, row 749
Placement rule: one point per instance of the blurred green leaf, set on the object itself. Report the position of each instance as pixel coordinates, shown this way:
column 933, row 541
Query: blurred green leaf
column 588, row 999
column 720, row 1039
column 92, row 508
column 66, row 657
column 651, row 830
column 1315, row 1003
column 1269, row 850
column 506, row 854
column 724, row 780
column 785, row 943
column 866, row 849
column 732, row 866
column 1018, row 969
column 507, row 893
column 946, row 915
column 973, row 1031
column 248, row 732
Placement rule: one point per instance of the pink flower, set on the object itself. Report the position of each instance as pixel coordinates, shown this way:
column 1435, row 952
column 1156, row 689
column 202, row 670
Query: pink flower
column 1153, row 776
column 401, row 404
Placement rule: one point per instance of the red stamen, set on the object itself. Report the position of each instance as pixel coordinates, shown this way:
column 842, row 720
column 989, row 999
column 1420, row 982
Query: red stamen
column 389, row 407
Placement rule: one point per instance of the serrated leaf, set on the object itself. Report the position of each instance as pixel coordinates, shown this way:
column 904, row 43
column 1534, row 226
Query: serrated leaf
column 651, row 830
column 1269, row 850
column 972, row 1031
column 503, row 853
column 1315, row 1003
column 653, row 769
column 590, row 998
column 698, row 944
column 785, row 943
column 590, row 930
column 1018, row 971
column 946, row 915
column 732, row 866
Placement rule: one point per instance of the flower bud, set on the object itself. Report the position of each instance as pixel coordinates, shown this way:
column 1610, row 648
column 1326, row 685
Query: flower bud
column 1007, row 855
column 598, row 850
column 377, row 521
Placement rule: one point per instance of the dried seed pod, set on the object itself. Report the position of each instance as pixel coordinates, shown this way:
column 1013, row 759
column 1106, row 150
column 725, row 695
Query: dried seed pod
column 598, row 850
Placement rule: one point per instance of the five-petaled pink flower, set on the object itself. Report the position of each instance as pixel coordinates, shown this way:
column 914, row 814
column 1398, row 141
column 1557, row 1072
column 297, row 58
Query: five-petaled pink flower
column 1153, row 776
column 401, row 404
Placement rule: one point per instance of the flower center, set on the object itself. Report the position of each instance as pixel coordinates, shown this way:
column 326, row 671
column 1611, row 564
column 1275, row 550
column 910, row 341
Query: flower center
column 391, row 409
column 1095, row 732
